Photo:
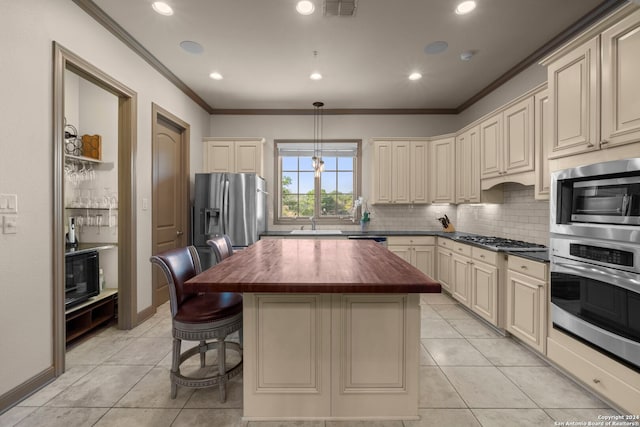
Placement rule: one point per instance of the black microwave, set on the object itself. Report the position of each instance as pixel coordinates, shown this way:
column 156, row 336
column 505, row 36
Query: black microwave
column 82, row 277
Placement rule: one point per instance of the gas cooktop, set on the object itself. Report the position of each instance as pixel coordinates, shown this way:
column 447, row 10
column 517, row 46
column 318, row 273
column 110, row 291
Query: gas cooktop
column 502, row 243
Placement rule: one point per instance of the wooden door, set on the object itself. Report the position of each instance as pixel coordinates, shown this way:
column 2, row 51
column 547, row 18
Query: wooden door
column 170, row 193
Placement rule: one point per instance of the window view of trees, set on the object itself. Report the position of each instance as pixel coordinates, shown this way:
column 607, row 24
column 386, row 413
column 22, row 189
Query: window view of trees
column 299, row 187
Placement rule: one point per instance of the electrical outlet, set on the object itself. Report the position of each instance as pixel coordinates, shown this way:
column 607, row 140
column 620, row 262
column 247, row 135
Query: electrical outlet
column 10, row 224
column 8, row 203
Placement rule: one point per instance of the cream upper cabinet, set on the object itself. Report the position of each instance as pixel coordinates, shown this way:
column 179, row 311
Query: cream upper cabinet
column 442, row 170
column 400, row 172
column 468, row 166
column 621, row 82
column 419, row 172
column 491, row 147
column 542, row 137
column 573, row 87
column 236, row 156
column 506, row 141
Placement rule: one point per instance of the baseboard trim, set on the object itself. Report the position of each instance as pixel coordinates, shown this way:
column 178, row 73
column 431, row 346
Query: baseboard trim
column 26, row 389
column 145, row 314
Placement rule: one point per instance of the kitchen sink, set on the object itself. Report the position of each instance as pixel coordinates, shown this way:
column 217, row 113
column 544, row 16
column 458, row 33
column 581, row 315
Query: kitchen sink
column 316, row 232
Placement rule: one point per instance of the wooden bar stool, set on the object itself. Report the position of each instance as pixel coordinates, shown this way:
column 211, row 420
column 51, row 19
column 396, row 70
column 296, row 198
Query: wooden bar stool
column 199, row 317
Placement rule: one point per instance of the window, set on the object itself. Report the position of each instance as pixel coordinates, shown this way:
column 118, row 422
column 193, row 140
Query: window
column 328, row 197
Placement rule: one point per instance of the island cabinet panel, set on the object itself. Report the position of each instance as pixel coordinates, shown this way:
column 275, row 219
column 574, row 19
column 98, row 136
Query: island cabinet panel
column 287, row 350
column 374, row 355
column 330, row 355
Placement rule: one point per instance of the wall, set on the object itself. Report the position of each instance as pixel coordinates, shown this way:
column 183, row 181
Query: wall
column 362, row 127
column 26, row 159
column 520, row 217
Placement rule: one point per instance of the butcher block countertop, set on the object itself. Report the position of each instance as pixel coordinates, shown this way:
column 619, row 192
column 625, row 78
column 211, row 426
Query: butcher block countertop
column 314, row 266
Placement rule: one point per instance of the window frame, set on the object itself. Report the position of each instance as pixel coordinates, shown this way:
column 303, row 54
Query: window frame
column 277, row 200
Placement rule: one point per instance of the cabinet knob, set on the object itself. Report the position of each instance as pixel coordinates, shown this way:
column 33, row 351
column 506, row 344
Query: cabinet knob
column 481, row 256
column 596, row 381
column 604, row 142
column 589, row 145
column 524, row 267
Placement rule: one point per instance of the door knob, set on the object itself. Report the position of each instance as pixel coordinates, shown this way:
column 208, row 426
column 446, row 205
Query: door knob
column 179, row 233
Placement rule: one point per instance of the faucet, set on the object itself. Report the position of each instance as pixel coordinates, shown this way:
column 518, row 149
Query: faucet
column 313, row 222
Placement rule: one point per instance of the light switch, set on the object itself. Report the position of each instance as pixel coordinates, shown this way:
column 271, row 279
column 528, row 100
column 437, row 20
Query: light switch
column 10, row 224
column 8, row 203
column 145, row 203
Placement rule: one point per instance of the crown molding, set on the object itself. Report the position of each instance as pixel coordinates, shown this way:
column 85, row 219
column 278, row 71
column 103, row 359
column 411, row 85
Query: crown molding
column 549, row 49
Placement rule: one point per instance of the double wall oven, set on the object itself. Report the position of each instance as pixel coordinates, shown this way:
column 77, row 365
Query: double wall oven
column 595, row 256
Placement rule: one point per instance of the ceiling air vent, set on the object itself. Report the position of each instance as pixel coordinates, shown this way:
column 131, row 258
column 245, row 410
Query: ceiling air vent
column 339, row 7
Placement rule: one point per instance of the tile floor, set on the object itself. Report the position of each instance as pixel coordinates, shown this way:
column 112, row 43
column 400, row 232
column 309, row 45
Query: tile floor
column 469, row 376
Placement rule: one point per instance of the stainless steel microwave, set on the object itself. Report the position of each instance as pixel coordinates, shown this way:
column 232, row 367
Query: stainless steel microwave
column 600, row 200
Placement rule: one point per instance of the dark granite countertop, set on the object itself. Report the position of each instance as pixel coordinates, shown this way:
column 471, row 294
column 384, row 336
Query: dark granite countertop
column 540, row 256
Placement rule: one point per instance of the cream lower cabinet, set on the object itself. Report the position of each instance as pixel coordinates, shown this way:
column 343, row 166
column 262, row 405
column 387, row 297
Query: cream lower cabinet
column 418, row 251
column 330, row 355
column 444, row 264
column 484, row 284
column 527, row 301
column 242, row 155
column 461, row 273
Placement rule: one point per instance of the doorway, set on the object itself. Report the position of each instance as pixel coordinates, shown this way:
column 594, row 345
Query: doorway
column 170, row 207
column 65, row 60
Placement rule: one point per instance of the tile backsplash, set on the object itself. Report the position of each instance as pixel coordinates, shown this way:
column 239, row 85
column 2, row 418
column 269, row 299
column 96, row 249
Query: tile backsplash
column 520, row 217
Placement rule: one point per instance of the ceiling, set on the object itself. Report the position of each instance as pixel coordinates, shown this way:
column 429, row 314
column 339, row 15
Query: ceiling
column 264, row 49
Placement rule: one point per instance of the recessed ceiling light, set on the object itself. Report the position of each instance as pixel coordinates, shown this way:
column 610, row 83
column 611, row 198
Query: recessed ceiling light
column 465, row 7
column 436, row 47
column 305, row 7
column 415, row 76
column 216, row 76
column 191, row 46
column 315, row 76
column 162, row 8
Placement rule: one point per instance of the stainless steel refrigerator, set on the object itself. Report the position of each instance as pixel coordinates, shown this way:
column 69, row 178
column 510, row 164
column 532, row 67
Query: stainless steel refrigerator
column 228, row 203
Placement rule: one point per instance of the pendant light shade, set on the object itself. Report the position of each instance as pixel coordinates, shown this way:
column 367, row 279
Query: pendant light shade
column 317, row 162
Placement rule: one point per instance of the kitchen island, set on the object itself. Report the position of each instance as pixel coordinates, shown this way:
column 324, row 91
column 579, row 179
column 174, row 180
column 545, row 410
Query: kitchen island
column 331, row 328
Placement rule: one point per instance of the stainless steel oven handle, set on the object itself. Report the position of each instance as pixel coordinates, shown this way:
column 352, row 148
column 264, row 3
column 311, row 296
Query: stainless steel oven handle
column 628, row 281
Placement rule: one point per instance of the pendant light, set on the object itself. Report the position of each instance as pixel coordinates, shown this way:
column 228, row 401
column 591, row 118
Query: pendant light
column 317, row 162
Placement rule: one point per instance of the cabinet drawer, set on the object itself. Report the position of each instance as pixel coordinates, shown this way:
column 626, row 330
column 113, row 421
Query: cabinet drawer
column 528, row 267
column 445, row 243
column 460, row 249
column 484, row 255
column 595, row 378
column 411, row 240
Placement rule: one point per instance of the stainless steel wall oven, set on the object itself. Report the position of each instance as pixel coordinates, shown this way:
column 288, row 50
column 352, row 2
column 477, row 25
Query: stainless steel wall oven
column 595, row 256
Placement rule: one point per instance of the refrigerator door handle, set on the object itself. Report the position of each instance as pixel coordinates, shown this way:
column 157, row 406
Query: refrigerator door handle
column 225, row 208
